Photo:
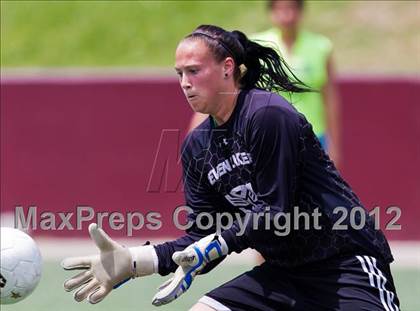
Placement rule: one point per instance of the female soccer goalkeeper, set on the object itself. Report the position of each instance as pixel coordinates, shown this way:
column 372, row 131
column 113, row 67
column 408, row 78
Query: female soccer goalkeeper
column 255, row 155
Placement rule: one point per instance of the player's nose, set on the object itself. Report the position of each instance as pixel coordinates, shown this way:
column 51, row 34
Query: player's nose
column 185, row 82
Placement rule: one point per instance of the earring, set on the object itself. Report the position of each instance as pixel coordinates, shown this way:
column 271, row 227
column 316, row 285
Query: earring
column 226, row 75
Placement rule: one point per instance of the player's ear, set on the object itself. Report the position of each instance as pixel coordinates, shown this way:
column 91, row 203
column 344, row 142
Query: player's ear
column 228, row 67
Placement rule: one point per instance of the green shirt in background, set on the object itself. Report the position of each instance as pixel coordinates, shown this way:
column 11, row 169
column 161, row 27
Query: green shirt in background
column 308, row 61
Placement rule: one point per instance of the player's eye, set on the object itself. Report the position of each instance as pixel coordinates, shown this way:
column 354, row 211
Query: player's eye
column 193, row 71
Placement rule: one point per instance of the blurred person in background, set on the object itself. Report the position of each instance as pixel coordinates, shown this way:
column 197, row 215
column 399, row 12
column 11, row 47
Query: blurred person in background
column 310, row 57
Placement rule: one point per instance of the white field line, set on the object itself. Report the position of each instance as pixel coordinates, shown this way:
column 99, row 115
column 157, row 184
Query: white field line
column 406, row 253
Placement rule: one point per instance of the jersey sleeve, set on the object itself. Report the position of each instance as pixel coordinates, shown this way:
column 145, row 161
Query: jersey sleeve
column 197, row 197
column 273, row 136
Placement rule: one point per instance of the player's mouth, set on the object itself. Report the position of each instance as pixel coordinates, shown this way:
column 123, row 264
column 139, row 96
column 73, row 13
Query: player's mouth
column 191, row 97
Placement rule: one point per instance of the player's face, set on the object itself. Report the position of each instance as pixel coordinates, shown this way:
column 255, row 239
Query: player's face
column 286, row 15
column 200, row 75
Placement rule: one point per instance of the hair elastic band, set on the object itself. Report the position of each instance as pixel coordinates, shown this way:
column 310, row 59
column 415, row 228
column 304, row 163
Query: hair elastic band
column 216, row 39
column 242, row 69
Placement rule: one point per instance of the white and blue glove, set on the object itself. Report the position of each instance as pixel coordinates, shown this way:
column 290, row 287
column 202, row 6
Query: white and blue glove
column 191, row 261
column 113, row 266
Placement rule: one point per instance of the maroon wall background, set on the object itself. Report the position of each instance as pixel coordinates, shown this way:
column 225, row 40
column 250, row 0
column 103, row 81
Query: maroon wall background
column 113, row 144
column 381, row 147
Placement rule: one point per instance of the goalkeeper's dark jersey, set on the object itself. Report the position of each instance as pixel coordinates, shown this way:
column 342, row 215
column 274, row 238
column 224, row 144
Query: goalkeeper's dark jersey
column 266, row 159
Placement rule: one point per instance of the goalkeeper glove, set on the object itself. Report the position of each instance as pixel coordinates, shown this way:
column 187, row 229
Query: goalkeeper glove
column 114, row 265
column 191, row 262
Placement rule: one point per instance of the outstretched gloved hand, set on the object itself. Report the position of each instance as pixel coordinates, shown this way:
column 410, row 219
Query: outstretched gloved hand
column 191, row 262
column 114, row 265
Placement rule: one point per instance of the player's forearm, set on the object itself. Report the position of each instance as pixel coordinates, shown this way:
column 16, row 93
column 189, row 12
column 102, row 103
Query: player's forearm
column 254, row 231
column 236, row 239
column 165, row 250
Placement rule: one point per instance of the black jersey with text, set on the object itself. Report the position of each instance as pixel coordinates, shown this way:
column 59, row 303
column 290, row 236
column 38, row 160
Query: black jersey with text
column 266, row 160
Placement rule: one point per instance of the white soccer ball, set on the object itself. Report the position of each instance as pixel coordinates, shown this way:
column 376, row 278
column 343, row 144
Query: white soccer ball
column 21, row 265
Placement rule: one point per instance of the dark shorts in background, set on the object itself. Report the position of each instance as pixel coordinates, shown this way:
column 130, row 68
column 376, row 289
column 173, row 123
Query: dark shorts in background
column 349, row 284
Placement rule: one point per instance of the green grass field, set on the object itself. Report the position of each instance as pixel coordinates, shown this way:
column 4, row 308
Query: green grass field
column 137, row 295
column 369, row 36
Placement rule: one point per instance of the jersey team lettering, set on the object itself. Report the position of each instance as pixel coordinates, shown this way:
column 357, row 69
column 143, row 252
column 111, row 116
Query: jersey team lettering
column 235, row 160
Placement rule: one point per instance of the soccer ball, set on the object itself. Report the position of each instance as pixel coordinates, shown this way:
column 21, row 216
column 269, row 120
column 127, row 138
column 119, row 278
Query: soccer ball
column 21, row 265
